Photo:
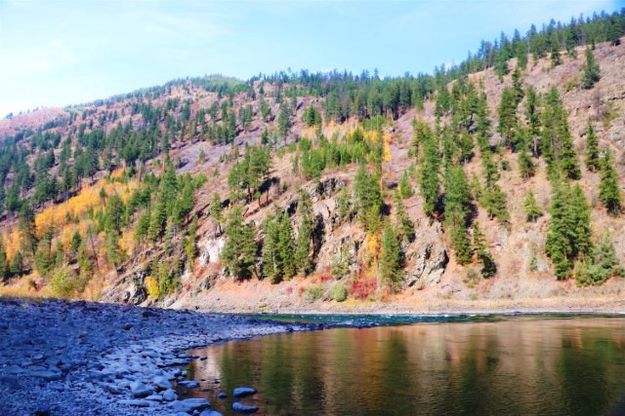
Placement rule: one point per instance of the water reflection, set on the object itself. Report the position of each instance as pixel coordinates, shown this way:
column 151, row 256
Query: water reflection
column 520, row 366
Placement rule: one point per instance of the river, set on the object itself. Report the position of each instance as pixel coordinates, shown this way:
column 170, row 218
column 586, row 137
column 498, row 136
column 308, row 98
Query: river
column 503, row 366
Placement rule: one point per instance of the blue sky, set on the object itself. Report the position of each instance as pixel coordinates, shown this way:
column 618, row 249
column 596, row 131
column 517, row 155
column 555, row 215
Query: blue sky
column 59, row 52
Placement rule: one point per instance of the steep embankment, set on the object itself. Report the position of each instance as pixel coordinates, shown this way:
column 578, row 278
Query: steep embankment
column 432, row 277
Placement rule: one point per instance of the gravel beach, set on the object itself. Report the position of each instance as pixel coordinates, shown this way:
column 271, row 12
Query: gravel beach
column 78, row 358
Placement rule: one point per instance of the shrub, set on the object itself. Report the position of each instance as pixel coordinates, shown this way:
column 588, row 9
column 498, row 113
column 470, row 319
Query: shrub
column 471, row 277
column 363, row 288
column 339, row 293
column 152, row 287
column 313, row 293
column 64, row 283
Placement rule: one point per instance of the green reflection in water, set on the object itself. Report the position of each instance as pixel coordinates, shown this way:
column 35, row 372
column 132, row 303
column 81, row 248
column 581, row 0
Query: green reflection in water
column 520, row 366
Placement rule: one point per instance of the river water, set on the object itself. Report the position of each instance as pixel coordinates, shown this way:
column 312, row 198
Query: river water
column 504, row 366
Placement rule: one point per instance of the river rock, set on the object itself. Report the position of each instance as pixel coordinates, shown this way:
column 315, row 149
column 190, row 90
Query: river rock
column 188, row 384
column 209, row 412
column 243, row 408
column 169, row 395
column 162, row 383
column 243, row 391
column 139, row 389
column 189, row 405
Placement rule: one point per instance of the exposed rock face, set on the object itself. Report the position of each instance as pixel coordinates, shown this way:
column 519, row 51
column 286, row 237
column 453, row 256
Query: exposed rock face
column 130, row 290
column 427, row 257
column 210, row 249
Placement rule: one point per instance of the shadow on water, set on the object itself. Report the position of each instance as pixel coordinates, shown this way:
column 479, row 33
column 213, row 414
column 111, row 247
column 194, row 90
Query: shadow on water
column 461, row 366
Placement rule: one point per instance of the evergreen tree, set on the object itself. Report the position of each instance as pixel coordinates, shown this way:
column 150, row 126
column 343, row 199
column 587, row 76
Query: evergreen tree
column 17, row 267
column 405, row 188
column 216, row 211
column 557, row 143
column 114, row 253
column 609, row 190
column 457, row 209
column 593, row 159
column 76, row 242
column 603, row 264
column 507, row 116
column 429, row 174
column 569, row 232
column 284, row 121
column 278, row 248
column 531, row 207
column 591, row 72
column 85, row 264
column 483, row 255
column 305, row 233
column 390, row 259
column 405, row 226
column 28, row 238
column 532, row 115
column 239, row 251
column 4, row 264
column 368, row 198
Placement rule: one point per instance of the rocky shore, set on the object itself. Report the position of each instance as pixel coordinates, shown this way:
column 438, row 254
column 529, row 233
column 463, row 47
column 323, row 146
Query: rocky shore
column 78, row 358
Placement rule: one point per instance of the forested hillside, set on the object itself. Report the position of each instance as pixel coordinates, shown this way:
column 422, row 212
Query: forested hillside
column 499, row 179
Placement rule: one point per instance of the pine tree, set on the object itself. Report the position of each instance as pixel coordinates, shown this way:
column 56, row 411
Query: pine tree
column 28, row 238
column 556, row 58
column 556, row 142
column 114, row 254
column 278, row 248
column 603, row 264
column 593, row 159
column 390, row 259
column 405, row 188
column 216, row 211
column 85, row 264
column 405, row 226
column 457, row 209
column 531, row 207
column 284, row 121
column 239, row 251
column 532, row 115
column 609, row 190
column 17, row 267
column 494, row 201
column 569, row 232
column 484, row 257
column 368, row 198
column 305, row 231
column 592, row 72
column 429, row 175
column 4, row 265
column 76, row 242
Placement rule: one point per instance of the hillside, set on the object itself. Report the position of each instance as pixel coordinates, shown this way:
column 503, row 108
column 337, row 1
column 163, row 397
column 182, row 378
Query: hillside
column 301, row 191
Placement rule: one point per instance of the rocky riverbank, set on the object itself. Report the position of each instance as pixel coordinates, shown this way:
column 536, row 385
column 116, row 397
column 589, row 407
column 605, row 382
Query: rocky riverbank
column 64, row 358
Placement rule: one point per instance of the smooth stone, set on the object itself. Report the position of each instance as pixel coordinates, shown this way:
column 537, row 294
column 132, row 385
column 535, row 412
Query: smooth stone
column 139, row 389
column 243, row 408
column 169, row 395
column 162, row 383
column 189, row 384
column 46, row 374
column 136, row 402
column 155, row 398
column 189, row 405
column 209, row 412
column 243, row 391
